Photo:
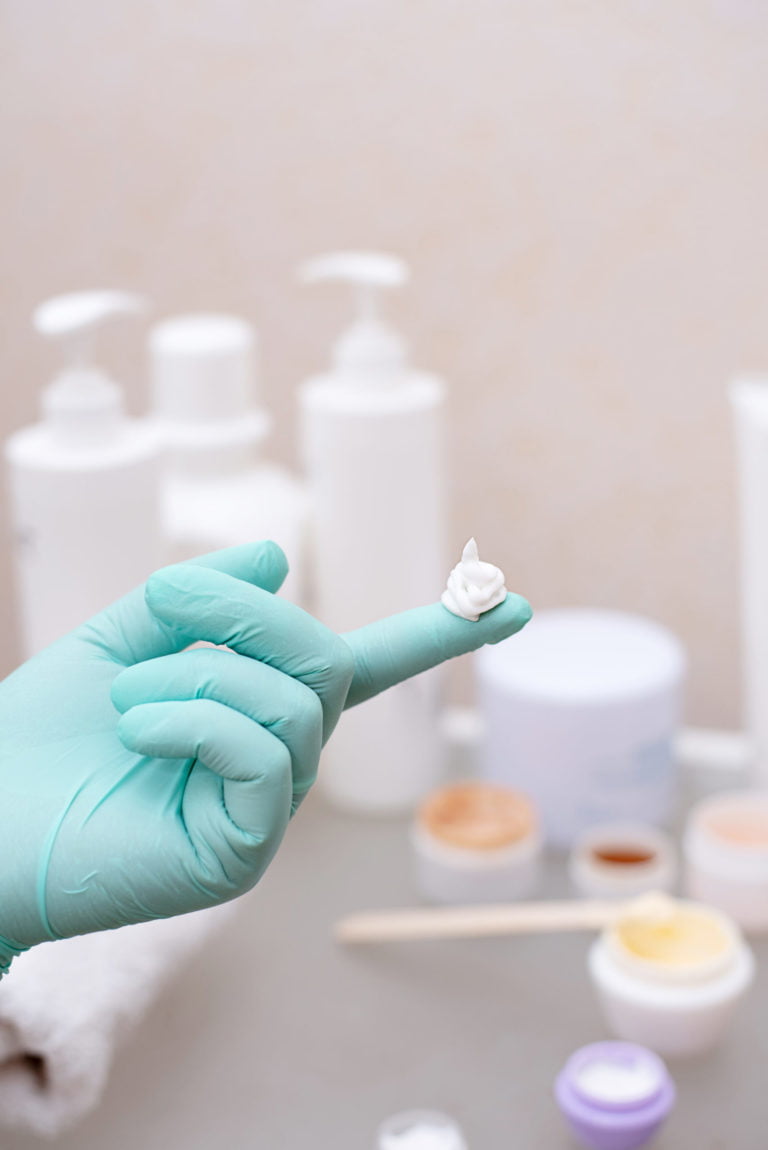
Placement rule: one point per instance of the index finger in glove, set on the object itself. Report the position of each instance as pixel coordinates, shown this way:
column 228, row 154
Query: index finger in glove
column 402, row 645
column 206, row 604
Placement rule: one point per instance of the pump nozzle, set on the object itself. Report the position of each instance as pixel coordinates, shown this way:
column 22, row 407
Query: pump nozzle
column 77, row 315
column 369, row 348
column 81, row 399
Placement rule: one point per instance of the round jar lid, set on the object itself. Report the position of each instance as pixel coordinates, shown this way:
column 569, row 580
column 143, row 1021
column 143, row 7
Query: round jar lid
column 580, row 655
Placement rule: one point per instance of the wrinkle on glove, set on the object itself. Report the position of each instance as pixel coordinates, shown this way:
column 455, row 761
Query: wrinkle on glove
column 65, row 1008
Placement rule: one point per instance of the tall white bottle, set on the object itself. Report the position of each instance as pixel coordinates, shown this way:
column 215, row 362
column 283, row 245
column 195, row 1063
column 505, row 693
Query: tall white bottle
column 217, row 492
column 749, row 405
column 373, row 448
column 84, row 483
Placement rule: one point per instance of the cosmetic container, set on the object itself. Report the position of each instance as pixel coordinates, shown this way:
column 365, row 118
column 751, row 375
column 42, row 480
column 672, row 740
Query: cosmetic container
column 218, row 490
column 622, row 860
column 614, row 1095
column 580, row 711
column 671, row 975
column 420, row 1130
column 84, row 482
column 474, row 842
column 749, row 409
column 726, row 855
column 372, row 436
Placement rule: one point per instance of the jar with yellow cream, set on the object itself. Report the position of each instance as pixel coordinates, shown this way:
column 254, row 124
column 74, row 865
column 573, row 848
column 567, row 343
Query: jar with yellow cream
column 669, row 974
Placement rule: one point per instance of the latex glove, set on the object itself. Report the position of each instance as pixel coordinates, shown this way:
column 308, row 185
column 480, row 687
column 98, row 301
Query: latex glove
column 182, row 801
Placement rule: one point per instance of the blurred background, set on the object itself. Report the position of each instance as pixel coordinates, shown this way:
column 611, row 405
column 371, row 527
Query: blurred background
column 580, row 190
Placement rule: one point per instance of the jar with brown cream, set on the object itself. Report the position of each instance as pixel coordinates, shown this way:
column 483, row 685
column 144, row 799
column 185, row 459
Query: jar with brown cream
column 622, row 860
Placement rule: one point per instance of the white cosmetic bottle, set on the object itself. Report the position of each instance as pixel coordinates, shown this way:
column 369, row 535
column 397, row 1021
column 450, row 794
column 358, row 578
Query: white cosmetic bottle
column 84, row 483
column 749, row 407
column 217, row 492
column 373, row 447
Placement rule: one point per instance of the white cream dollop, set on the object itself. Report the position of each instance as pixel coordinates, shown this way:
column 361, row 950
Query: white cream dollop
column 473, row 587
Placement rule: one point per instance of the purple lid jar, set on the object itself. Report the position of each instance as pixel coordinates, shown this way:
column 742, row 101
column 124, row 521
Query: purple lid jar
column 614, row 1095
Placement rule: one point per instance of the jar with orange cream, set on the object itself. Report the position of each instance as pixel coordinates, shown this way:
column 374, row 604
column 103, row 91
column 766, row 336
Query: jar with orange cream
column 476, row 842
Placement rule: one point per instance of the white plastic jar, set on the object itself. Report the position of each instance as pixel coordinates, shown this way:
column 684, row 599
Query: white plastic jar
column 670, row 976
column 474, row 842
column 420, row 1130
column 726, row 855
column 581, row 709
column 622, row 860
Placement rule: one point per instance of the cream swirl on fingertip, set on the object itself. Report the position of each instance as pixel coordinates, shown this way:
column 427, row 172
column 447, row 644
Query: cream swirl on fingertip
column 474, row 587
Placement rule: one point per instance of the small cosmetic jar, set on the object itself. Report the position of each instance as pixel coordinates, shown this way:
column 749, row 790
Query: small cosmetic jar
column 475, row 842
column 726, row 855
column 420, row 1130
column 614, row 1095
column 669, row 973
column 622, row 860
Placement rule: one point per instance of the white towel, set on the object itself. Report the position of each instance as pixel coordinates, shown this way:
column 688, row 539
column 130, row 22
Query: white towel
column 65, row 1006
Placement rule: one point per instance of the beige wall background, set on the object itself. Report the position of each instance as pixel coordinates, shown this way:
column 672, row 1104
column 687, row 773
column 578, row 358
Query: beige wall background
column 581, row 189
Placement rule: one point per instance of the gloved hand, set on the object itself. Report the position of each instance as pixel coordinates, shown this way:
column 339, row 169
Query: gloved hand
column 181, row 802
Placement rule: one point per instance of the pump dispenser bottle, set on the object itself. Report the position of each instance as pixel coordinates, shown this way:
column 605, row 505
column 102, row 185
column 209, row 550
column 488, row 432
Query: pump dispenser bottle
column 217, row 491
column 83, row 483
column 372, row 443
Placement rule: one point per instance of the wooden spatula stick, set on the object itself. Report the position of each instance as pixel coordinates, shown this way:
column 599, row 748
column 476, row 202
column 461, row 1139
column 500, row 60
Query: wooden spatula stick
column 477, row 921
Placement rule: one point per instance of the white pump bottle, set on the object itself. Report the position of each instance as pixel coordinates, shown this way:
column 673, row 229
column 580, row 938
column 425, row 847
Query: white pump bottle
column 217, row 490
column 373, row 449
column 84, row 483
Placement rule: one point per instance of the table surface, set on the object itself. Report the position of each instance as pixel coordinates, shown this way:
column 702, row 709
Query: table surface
column 279, row 1039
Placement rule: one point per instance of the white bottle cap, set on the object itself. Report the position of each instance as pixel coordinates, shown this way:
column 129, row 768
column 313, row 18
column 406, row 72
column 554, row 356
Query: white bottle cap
column 203, row 381
column 369, row 350
column 82, row 402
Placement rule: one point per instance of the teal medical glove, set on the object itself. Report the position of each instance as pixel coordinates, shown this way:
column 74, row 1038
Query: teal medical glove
column 181, row 800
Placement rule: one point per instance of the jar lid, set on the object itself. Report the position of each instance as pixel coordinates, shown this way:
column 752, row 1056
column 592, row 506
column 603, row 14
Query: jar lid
column 580, row 656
